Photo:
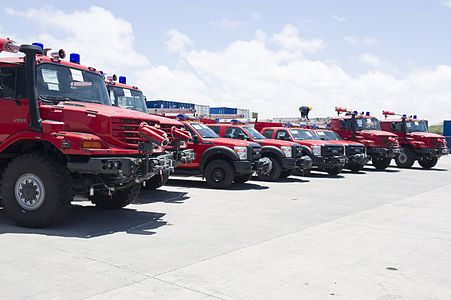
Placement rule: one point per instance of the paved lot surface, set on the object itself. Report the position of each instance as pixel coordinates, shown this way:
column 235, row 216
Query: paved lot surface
column 374, row 235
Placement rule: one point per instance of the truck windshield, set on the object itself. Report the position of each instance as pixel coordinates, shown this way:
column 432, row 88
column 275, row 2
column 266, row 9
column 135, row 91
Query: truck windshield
column 57, row 83
column 303, row 134
column 328, row 135
column 204, row 131
column 254, row 133
column 126, row 98
column 416, row 126
column 363, row 124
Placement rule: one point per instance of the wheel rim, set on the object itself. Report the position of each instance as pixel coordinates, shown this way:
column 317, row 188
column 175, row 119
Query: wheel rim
column 402, row 158
column 29, row 191
column 218, row 175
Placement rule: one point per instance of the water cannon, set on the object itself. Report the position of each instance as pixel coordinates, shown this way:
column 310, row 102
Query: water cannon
column 387, row 113
column 340, row 110
column 74, row 58
column 180, row 134
column 153, row 135
column 8, row 45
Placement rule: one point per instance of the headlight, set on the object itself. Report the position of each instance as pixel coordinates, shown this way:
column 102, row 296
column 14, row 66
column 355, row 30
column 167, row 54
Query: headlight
column 287, row 151
column 241, row 151
column 316, row 150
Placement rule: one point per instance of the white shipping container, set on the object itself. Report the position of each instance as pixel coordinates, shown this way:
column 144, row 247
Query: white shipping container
column 202, row 110
column 245, row 113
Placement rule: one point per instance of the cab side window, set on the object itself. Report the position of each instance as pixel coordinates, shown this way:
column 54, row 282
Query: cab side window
column 12, row 82
column 282, row 135
column 193, row 133
column 268, row 133
column 216, row 129
column 230, row 133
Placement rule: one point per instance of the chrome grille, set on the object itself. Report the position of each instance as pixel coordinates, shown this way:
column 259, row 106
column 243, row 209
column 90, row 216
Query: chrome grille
column 332, row 150
column 355, row 149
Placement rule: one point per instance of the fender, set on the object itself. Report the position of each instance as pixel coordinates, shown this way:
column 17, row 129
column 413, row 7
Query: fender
column 306, row 150
column 273, row 150
column 222, row 150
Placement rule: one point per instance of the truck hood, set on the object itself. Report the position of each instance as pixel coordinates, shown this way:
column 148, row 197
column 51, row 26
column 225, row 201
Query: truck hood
column 312, row 142
column 343, row 142
column 426, row 135
column 229, row 142
column 115, row 112
column 377, row 133
column 275, row 143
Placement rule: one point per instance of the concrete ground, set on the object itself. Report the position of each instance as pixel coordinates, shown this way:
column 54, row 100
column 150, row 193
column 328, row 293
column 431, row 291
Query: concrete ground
column 373, row 235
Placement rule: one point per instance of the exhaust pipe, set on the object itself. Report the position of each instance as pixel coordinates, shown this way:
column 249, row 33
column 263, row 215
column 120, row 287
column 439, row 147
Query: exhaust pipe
column 153, row 134
column 180, row 134
column 30, row 52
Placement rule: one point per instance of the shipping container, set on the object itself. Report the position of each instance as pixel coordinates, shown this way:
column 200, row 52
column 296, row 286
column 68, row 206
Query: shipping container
column 447, row 128
column 223, row 111
column 160, row 104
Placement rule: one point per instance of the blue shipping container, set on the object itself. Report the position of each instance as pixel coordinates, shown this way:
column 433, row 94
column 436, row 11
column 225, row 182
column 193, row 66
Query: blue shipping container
column 169, row 104
column 447, row 128
column 223, row 111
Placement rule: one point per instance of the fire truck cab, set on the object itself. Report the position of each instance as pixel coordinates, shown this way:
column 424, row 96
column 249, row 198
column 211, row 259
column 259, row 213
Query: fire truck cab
column 417, row 144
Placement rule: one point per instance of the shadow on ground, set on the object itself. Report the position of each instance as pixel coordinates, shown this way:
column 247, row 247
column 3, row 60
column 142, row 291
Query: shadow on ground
column 89, row 221
column 161, row 195
column 203, row 185
column 388, row 170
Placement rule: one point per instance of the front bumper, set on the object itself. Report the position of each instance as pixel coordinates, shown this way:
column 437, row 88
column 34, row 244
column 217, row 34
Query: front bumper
column 185, row 156
column 359, row 159
column 432, row 152
column 304, row 162
column 383, row 152
column 125, row 169
column 243, row 167
column 326, row 162
column 288, row 163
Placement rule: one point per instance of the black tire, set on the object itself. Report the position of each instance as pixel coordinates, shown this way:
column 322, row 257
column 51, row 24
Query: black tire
column 406, row 158
column 275, row 172
column 428, row 163
column 334, row 171
column 156, row 182
column 354, row 167
column 381, row 163
column 286, row 173
column 50, row 180
column 243, row 178
column 118, row 199
column 219, row 174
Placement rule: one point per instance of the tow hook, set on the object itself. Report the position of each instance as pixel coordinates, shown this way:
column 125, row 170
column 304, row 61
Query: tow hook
column 264, row 166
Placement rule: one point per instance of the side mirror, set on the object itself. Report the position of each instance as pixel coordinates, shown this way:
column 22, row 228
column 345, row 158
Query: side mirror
column 1, row 92
column 195, row 139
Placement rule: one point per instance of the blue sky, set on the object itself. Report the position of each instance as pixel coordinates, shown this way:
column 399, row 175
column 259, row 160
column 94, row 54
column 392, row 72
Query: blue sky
column 398, row 39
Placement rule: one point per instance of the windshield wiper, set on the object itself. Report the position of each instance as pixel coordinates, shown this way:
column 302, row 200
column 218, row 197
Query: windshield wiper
column 59, row 99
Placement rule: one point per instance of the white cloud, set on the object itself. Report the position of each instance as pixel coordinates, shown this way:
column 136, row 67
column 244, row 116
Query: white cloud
column 256, row 16
column 227, row 23
column 103, row 40
column 177, row 41
column 447, row 3
column 290, row 39
column 339, row 19
column 270, row 73
column 371, row 60
column 366, row 41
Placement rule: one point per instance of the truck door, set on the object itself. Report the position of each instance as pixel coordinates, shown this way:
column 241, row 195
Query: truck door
column 13, row 105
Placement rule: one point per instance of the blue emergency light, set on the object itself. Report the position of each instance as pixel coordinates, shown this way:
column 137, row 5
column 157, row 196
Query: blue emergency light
column 180, row 117
column 367, row 114
column 123, row 79
column 355, row 112
column 404, row 116
column 40, row 45
column 74, row 58
column 414, row 117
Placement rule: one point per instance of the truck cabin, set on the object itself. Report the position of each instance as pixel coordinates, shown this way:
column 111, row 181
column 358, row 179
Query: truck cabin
column 126, row 96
